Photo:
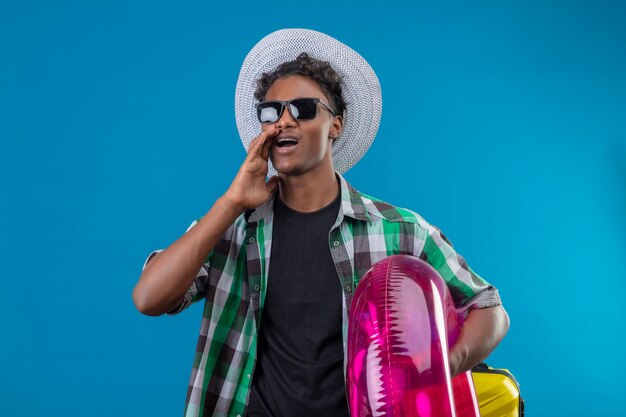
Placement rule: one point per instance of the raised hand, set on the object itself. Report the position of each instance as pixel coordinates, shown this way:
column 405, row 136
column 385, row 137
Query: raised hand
column 249, row 189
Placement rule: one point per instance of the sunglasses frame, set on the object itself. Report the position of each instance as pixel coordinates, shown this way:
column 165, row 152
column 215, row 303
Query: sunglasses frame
column 287, row 103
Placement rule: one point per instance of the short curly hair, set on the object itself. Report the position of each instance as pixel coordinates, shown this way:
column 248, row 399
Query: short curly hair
column 319, row 71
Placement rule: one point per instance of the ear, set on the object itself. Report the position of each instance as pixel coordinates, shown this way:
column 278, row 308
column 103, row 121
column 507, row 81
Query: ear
column 336, row 127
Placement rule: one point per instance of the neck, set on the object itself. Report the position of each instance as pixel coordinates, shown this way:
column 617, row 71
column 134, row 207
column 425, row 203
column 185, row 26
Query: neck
column 308, row 193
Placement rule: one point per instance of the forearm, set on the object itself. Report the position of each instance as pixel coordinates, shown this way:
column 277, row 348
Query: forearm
column 170, row 273
column 167, row 277
column 481, row 332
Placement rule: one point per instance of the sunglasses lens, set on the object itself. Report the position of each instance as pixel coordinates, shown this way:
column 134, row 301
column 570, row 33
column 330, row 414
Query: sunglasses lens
column 300, row 109
column 269, row 112
column 303, row 109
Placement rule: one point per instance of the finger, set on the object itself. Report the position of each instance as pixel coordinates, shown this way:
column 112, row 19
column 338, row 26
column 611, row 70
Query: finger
column 257, row 143
column 253, row 143
column 265, row 148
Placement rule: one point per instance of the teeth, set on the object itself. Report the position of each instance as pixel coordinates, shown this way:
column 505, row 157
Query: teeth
column 285, row 141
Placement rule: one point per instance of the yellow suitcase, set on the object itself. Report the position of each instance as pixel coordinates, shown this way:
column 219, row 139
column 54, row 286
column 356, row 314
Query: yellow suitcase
column 497, row 391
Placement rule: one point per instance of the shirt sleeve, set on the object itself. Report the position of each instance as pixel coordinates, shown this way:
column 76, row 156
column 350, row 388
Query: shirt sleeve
column 197, row 290
column 469, row 290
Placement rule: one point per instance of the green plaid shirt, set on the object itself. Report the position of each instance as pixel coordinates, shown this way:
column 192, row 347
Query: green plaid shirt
column 233, row 281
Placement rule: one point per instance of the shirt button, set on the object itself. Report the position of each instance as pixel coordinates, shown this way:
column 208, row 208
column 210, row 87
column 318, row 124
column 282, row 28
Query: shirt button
column 348, row 288
column 248, row 376
column 251, row 240
column 256, row 288
column 336, row 243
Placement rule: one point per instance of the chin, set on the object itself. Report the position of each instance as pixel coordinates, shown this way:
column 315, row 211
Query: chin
column 289, row 167
column 286, row 168
column 289, row 170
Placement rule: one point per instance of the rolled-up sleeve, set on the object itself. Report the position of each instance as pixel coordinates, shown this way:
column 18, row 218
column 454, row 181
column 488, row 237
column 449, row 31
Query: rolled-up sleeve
column 197, row 290
column 469, row 290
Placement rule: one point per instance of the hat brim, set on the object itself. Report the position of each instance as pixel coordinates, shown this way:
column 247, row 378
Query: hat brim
column 361, row 89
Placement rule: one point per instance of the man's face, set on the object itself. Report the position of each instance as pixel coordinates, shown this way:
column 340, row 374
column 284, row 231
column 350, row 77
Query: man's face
column 313, row 151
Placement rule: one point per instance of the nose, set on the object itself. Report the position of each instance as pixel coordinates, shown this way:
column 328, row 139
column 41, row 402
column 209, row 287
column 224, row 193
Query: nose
column 285, row 120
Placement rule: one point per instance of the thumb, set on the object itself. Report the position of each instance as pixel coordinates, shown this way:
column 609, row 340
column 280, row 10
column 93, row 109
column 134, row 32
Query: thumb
column 272, row 184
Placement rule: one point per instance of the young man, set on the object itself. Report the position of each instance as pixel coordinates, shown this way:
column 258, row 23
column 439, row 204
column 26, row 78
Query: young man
column 277, row 261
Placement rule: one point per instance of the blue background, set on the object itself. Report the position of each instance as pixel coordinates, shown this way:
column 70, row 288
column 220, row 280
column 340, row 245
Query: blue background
column 504, row 124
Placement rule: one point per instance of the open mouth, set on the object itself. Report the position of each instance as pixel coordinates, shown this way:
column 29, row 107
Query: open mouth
column 286, row 142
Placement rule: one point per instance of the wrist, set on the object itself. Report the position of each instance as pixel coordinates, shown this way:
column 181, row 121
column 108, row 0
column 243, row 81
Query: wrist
column 228, row 207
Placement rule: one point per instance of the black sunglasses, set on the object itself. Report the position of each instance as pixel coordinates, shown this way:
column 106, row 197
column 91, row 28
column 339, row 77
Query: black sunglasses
column 299, row 108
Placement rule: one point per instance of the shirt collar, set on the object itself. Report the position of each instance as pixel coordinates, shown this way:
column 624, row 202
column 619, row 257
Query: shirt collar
column 352, row 204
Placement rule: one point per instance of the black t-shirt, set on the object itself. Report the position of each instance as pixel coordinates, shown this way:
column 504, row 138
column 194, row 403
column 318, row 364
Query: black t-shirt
column 299, row 369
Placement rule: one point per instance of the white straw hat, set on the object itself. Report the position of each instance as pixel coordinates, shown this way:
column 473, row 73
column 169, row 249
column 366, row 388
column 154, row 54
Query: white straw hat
column 361, row 89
